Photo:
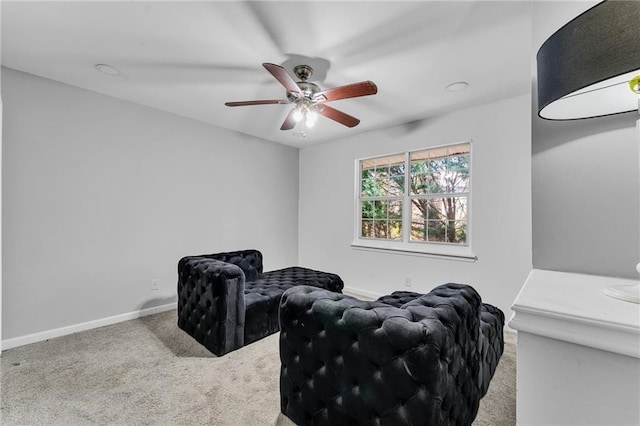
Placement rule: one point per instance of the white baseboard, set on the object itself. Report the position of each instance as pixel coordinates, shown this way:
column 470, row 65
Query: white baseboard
column 508, row 329
column 75, row 328
column 360, row 293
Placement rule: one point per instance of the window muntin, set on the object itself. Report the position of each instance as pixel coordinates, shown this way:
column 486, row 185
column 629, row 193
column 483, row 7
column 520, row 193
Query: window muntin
column 382, row 188
column 439, row 193
column 382, row 177
column 441, row 220
column 435, row 185
column 382, row 219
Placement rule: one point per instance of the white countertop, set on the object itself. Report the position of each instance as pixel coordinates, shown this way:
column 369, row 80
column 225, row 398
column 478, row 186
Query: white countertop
column 573, row 308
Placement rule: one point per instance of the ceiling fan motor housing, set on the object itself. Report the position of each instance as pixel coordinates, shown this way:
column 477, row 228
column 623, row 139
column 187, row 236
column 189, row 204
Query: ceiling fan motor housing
column 303, row 72
column 308, row 89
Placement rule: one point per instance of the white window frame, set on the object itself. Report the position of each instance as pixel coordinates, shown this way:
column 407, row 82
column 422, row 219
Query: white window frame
column 460, row 252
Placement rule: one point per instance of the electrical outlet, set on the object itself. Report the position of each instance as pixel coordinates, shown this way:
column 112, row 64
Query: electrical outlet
column 407, row 282
column 154, row 284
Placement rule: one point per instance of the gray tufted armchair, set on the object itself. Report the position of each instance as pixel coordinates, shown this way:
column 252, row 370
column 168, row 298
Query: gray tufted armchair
column 405, row 359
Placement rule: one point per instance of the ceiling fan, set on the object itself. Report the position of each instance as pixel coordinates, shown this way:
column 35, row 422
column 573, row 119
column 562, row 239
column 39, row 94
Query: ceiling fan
column 309, row 99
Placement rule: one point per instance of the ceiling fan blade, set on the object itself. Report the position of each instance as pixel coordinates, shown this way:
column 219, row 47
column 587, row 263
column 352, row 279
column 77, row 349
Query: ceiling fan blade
column 283, row 77
column 364, row 88
column 289, row 121
column 262, row 102
column 336, row 115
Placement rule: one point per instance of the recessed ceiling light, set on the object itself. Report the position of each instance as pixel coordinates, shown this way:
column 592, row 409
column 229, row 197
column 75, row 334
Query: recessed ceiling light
column 457, row 86
column 108, row 70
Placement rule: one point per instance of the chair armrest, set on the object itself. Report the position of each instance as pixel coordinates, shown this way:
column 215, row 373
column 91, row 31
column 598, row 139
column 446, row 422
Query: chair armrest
column 475, row 327
column 211, row 305
column 492, row 329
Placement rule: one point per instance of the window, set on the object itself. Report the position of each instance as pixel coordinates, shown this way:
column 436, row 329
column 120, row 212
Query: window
column 382, row 195
column 416, row 201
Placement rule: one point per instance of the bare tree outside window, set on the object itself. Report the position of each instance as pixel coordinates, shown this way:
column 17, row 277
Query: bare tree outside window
column 439, row 191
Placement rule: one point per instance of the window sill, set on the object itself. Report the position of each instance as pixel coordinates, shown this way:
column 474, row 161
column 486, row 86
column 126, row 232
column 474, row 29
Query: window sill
column 460, row 254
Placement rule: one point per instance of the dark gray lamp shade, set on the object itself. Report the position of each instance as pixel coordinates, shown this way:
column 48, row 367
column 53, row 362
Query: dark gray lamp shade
column 585, row 67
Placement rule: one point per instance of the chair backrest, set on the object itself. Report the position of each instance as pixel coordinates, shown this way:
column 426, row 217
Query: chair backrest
column 250, row 261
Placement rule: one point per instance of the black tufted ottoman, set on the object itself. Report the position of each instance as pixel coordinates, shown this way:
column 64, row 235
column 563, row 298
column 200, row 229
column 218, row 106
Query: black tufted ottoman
column 405, row 359
column 226, row 301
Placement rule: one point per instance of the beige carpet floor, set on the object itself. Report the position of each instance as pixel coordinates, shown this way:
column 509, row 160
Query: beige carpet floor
column 149, row 372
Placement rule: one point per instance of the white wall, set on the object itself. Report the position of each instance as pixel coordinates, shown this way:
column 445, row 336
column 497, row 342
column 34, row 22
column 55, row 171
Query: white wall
column 586, row 196
column 501, row 216
column 101, row 196
column 561, row 383
column 1, row 116
column 586, row 186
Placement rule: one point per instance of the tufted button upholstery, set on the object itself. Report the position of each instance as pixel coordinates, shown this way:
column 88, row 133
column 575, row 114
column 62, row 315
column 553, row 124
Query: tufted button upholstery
column 226, row 301
column 404, row 359
column 211, row 302
column 398, row 298
column 263, row 297
column 250, row 261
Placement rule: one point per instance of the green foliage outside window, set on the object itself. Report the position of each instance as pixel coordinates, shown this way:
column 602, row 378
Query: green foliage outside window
column 438, row 190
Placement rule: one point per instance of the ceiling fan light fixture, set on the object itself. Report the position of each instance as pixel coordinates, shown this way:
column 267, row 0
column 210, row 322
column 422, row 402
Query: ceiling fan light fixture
column 311, row 117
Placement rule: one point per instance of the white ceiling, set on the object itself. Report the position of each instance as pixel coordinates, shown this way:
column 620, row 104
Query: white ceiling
column 189, row 58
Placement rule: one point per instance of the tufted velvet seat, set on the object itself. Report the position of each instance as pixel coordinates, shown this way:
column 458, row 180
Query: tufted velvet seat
column 226, row 301
column 404, row 359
